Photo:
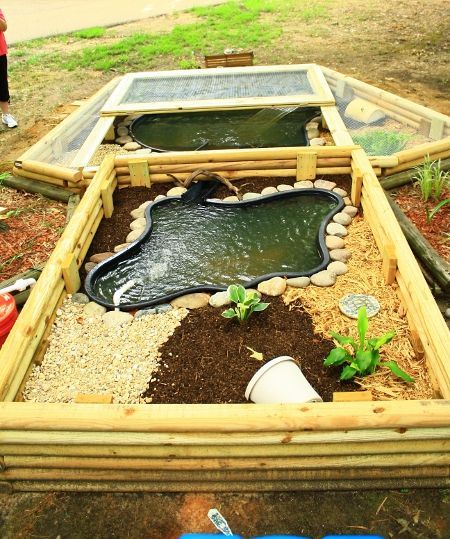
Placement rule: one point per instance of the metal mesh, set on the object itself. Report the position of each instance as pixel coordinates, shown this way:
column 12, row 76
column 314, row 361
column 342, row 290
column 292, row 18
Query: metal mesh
column 218, row 85
column 67, row 147
column 383, row 137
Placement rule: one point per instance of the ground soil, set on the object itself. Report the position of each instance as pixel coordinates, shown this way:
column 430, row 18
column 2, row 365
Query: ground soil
column 401, row 47
column 208, row 360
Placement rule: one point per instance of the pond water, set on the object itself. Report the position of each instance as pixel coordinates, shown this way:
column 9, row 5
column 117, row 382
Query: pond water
column 212, row 130
column 209, row 246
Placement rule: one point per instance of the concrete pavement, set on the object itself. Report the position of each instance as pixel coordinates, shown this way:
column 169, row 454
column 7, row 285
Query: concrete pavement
column 42, row 18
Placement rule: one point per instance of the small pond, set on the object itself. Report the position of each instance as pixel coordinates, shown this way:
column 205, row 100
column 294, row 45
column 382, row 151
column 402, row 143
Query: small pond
column 216, row 129
column 190, row 246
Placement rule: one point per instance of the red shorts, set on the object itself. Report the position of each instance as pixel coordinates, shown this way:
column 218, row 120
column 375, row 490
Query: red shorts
column 4, row 92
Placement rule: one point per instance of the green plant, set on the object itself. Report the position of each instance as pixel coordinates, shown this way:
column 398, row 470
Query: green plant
column 432, row 213
column 366, row 353
column 431, row 179
column 247, row 302
column 381, row 142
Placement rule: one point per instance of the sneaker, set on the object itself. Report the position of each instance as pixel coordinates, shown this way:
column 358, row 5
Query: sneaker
column 9, row 120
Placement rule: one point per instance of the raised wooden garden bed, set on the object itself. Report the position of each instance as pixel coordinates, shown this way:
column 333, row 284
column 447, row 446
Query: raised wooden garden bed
column 253, row 447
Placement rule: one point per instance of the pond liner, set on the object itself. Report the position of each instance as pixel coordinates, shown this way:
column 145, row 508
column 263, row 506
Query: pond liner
column 112, row 262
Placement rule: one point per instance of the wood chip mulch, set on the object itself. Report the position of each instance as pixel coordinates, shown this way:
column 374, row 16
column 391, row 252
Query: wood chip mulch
column 29, row 230
column 438, row 229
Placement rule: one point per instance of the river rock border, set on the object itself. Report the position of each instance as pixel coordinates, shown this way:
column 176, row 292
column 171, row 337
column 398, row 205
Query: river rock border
column 336, row 231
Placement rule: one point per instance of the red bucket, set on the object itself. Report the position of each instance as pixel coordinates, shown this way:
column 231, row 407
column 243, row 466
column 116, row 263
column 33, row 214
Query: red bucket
column 8, row 315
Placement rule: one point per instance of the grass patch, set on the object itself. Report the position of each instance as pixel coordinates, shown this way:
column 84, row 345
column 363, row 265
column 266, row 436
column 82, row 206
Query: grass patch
column 381, row 142
column 230, row 25
column 90, row 33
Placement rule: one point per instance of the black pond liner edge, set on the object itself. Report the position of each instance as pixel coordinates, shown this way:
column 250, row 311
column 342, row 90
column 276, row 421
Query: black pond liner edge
column 114, row 260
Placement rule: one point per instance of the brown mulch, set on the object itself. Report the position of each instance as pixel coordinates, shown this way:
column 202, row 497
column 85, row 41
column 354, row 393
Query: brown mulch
column 207, row 360
column 412, row 205
column 30, row 230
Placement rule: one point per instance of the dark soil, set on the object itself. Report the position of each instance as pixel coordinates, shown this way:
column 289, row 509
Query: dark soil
column 206, row 360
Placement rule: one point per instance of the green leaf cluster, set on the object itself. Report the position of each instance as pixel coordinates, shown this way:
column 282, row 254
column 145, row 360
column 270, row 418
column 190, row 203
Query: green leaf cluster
column 365, row 356
column 431, row 179
column 247, row 302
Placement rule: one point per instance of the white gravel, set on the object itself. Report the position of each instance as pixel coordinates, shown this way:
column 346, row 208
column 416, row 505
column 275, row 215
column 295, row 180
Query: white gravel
column 85, row 356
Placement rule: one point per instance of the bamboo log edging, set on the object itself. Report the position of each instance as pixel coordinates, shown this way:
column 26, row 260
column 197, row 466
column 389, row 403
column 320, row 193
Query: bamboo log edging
column 255, row 154
column 31, row 186
column 42, row 150
column 142, row 447
column 386, row 97
column 52, row 171
column 17, row 352
column 223, row 419
column 224, row 486
column 402, row 178
column 430, row 322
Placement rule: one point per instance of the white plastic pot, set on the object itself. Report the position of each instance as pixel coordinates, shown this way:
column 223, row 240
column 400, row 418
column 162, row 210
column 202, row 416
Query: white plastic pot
column 280, row 381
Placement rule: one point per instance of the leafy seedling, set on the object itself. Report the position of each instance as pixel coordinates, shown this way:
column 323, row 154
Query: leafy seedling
column 247, row 302
column 365, row 357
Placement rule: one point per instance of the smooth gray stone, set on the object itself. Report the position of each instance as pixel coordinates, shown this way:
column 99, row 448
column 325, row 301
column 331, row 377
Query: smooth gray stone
column 351, row 210
column 323, row 278
column 79, row 297
column 335, row 229
column 337, row 267
column 298, row 282
column 334, row 242
column 94, row 309
column 163, row 308
column 340, row 254
column 342, row 218
column 144, row 312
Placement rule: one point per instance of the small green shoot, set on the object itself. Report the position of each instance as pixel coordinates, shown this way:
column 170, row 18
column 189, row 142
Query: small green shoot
column 366, row 353
column 432, row 213
column 246, row 302
column 431, row 179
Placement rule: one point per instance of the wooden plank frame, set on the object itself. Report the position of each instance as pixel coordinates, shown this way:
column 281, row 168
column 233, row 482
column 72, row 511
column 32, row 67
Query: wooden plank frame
column 426, row 121
column 333, row 445
column 321, row 94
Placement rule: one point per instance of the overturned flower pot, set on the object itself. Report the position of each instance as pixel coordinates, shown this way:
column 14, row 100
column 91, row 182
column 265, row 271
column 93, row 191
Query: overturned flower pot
column 280, row 381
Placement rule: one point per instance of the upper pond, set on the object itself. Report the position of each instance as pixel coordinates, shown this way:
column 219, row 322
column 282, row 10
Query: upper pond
column 190, row 246
column 212, row 130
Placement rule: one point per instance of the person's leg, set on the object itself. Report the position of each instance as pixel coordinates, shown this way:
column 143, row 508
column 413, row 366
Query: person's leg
column 7, row 118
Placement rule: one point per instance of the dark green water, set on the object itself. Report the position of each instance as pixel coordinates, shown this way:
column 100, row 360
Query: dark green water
column 216, row 245
column 212, row 130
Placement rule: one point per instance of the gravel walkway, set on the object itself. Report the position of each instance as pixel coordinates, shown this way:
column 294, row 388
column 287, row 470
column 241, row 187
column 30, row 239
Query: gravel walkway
column 86, row 356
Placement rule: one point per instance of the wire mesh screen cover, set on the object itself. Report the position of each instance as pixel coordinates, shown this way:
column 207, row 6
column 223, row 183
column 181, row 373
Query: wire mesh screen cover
column 217, row 85
column 383, row 137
